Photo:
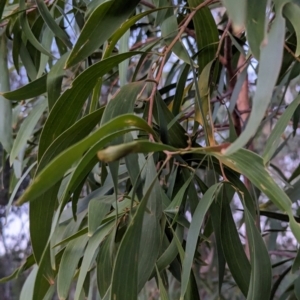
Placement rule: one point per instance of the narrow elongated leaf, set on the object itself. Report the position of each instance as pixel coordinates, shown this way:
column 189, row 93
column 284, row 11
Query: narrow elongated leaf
column 5, row 106
column 32, row 89
column 274, row 138
column 105, row 264
column 291, row 11
column 61, row 117
column 96, row 212
column 109, row 15
column 123, row 66
column 269, row 68
column 233, row 249
column 151, row 233
column 251, row 165
column 74, row 134
column 125, row 27
column 54, row 80
column 59, row 165
column 26, row 129
column 68, row 265
column 177, row 200
column 261, row 274
column 125, row 270
column 256, row 24
column 28, row 31
column 29, row 262
column 49, row 20
column 192, row 238
column 206, row 39
column 162, row 289
column 27, row 289
column 89, row 254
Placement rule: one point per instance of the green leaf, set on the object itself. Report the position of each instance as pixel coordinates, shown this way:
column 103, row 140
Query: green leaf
column 32, row 89
column 105, row 264
column 29, row 262
column 61, row 163
column 251, row 165
column 124, row 28
column 207, row 40
column 96, row 212
column 192, row 237
column 27, row 289
column 180, row 88
column 113, row 153
column 123, row 66
column 169, row 29
column 89, row 254
column 109, row 15
column 28, row 31
column 61, row 117
column 162, row 290
column 291, row 12
column 49, row 20
column 233, row 250
column 151, row 233
column 236, row 11
column 256, row 24
column 269, row 68
column 261, row 273
column 68, row 265
column 5, row 107
column 54, row 80
column 123, row 102
column 125, row 270
column 74, row 134
column 26, row 129
column 278, row 130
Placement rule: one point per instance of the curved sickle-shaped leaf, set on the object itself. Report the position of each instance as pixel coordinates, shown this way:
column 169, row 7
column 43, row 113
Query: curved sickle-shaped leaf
column 192, row 238
column 251, row 165
column 49, row 20
column 291, row 11
column 30, row 90
column 269, row 68
column 101, row 24
column 74, row 134
column 61, row 117
column 28, row 32
column 60, row 164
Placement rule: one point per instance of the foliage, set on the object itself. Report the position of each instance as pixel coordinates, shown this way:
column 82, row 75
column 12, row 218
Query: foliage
column 137, row 122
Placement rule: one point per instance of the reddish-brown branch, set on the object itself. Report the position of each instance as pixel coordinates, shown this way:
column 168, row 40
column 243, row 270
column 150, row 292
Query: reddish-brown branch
column 165, row 53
